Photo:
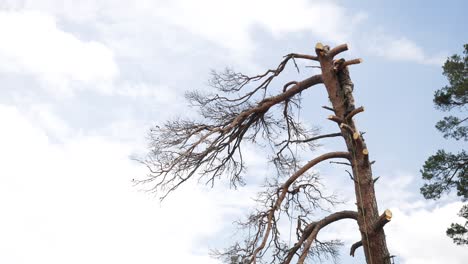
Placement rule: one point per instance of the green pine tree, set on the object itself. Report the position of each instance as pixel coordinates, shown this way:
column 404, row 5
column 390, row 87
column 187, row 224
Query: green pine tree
column 445, row 171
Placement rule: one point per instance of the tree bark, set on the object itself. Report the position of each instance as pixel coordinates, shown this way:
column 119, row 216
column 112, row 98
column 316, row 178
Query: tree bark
column 373, row 241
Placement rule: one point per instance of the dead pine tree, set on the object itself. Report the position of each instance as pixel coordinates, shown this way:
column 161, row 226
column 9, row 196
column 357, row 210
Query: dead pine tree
column 243, row 112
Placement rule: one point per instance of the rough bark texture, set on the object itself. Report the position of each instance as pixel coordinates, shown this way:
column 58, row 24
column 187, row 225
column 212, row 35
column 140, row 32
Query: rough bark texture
column 374, row 243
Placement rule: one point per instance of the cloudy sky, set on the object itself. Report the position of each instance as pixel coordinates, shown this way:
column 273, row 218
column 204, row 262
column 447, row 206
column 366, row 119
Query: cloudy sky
column 83, row 81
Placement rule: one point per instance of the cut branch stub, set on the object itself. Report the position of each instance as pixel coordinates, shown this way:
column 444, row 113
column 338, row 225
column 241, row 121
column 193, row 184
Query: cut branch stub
column 337, row 50
column 348, row 128
column 340, row 64
column 325, row 50
column 354, row 112
column 320, row 48
column 383, row 220
column 352, row 62
column 359, row 141
column 356, row 135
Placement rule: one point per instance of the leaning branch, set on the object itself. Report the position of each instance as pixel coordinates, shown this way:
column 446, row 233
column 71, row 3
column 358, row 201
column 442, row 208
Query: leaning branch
column 310, row 164
column 317, row 137
column 311, row 231
column 185, row 148
column 303, row 56
column 284, row 190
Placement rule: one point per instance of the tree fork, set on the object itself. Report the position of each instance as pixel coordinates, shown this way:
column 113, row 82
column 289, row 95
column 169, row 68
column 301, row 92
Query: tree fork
column 370, row 223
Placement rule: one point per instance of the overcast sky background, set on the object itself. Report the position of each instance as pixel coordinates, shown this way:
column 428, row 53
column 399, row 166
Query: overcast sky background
column 83, row 81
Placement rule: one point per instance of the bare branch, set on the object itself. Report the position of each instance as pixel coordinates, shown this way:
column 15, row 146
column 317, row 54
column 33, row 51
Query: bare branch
column 183, row 148
column 317, row 137
column 350, row 176
column 328, row 108
column 310, row 164
column 243, row 113
column 230, row 81
column 311, row 231
column 283, row 192
column 341, row 163
column 303, row 56
column 285, row 87
column 354, row 247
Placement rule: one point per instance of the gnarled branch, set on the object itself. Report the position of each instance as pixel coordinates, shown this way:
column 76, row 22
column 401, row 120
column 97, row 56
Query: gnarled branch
column 284, row 190
column 311, row 231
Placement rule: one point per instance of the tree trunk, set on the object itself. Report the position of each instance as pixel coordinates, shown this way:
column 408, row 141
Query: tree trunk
column 335, row 78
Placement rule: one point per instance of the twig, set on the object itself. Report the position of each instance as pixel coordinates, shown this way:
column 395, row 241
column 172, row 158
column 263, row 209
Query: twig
column 341, row 163
column 328, row 108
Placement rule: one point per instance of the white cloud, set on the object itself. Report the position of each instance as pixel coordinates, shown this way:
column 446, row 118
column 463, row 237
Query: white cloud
column 75, row 199
column 228, row 24
column 33, row 44
column 418, row 236
column 414, row 236
column 74, row 203
column 416, row 233
column 160, row 94
column 401, row 49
